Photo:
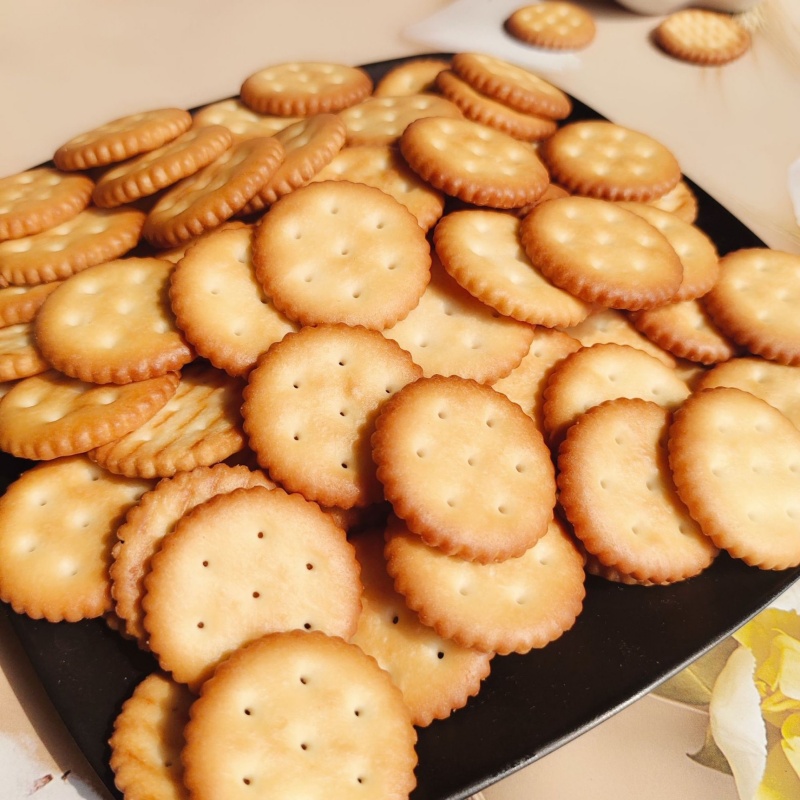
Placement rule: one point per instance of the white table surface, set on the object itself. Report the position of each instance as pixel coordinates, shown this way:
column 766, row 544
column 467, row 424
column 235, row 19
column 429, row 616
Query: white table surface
column 67, row 66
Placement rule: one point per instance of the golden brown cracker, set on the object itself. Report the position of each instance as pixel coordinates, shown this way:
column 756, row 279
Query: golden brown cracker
column 553, row 25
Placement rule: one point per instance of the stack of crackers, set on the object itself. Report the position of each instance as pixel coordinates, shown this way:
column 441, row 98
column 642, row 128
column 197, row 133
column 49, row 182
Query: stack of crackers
column 338, row 391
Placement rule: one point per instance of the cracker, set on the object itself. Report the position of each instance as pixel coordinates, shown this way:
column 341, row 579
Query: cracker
column 473, row 162
column 680, row 201
column 735, row 462
column 602, row 159
column 328, row 723
column 436, row 675
column 21, row 303
column 112, row 323
column 241, row 121
column 701, row 36
column 755, row 302
column 308, row 145
column 214, row 194
column 512, row 85
column 220, row 306
column 243, row 564
column 602, row 372
column 685, row 330
column 303, row 88
column 481, row 250
column 199, row 426
column 175, row 254
column 91, row 237
column 577, row 243
column 553, row 25
column 382, row 166
column 516, row 605
column 616, row 489
column 483, row 109
column 411, row 77
column 525, row 383
column 381, row 120
column 37, row 199
column 57, row 525
column 776, row 384
column 341, row 252
column 154, row 517
column 51, row 415
column 452, row 333
column 122, row 138
column 150, row 172
column 698, row 254
column 309, row 408
column 147, row 740
column 19, row 355
column 465, row 468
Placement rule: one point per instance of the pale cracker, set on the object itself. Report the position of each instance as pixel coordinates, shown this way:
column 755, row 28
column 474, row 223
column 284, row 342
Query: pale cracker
column 410, row 77
column 241, row 121
column 702, row 36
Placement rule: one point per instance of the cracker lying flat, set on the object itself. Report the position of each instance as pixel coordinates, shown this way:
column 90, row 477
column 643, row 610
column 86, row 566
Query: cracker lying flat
column 241, row 121
column 310, row 405
column 341, row 252
column 700, row 36
column 112, row 323
column 328, row 723
column 465, row 468
column 155, row 517
column 148, row 738
column 37, row 199
column 436, row 675
column 617, row 491
column 512, row 606
column 19, row 356
column 57, row 526
column 552, row 24
column 411, row 77
column 452, row 333
column 680, row 201
column 735, row 462
column 243, row 564
column 20, row 303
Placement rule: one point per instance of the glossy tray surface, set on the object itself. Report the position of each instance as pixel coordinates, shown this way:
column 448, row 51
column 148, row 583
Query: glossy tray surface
column 627, row 640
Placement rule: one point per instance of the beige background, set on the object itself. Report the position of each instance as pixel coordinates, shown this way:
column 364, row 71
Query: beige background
column 66, row 66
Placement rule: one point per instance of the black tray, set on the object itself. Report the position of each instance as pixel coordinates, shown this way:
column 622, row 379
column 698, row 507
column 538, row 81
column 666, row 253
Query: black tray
column 626, row 641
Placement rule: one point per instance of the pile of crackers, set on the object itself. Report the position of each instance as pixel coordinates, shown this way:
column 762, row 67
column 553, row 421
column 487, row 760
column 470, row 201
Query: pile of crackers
column 339, row 390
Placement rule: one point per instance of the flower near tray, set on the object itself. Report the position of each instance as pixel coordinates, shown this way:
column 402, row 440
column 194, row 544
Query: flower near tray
column 750, row 687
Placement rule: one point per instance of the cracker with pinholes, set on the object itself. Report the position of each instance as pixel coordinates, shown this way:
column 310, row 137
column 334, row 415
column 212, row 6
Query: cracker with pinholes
column 150, row 172
column 148, row 738
column 473, row 162
column 602, row 253
column 553, row 25
column 436, row 675
column 755, row 302
column 309, row 409
column 777, row 384
column 481, row 250
column 509, row 607
column 37, row 199
column 112, row 323
column 602, row 372
column 153, row 518
column 382, row 166
column 452, row 333
column 50, row 414
column 57, row 526
column 200, row 425
column 19, row 356
column 735, row 460
column 220, row 306
column 602, row 159
column 381, row 120
column 327, row 723
column 216, row 193
column 410, row 77
column 701, row 36
column 240, row 120
column 304, row 88
column 341, row 252
column 243, row 564
column 122, row 138
column 91, row 237
column 616, row 489
column 465, row 468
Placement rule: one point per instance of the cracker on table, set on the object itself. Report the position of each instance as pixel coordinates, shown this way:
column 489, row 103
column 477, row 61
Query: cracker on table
column 465, row 468
column 243, row 564
column 57, row 526
column 553, row 25
column 701, row 36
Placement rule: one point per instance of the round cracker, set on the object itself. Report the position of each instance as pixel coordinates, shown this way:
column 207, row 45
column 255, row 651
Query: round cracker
column 702, row 36
column 553, row 25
